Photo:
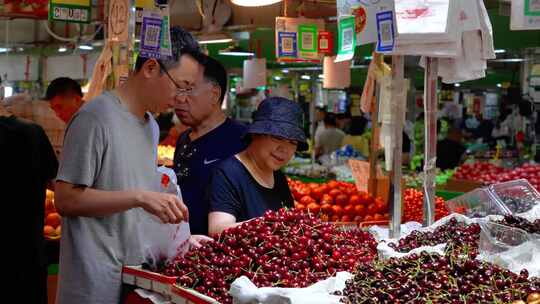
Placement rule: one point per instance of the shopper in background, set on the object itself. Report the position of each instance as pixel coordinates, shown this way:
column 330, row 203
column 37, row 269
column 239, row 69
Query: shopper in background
column 450, row 150
column 331, row 138
column 211, row 137
column 108, row 176
column 247, row 184
column 320, row 113
column 62, row 99
column 343, row 121
column 357, row 136
column 28, row 164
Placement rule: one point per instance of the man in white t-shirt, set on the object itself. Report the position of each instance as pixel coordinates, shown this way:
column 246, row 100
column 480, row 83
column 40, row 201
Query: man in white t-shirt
column 330, row 138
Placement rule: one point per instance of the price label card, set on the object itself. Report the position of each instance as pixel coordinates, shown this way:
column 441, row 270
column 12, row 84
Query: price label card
column 71, row 11
column 151, row 35
column 326, row 45
column 532, row 7
column 385, row 32
column 360, row 173
column 287, row 44
column 307, row 40
column 346, row 38
column 165, row 41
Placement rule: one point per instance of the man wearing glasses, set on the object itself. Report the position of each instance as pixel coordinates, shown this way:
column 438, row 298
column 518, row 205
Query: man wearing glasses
column 107, row 176
column 212, row 137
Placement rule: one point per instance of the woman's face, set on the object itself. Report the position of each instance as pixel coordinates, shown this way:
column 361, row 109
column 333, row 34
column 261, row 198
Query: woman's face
column 274, row 152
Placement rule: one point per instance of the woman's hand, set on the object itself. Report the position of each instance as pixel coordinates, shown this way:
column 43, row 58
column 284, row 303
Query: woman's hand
column 196, row 241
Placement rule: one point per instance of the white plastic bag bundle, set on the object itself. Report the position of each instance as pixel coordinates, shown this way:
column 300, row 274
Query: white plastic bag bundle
column 244, row 291
column 163, row 242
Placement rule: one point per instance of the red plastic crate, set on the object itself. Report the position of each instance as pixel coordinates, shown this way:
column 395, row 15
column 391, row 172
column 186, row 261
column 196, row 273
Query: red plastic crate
column 180, row 295
column 135, row 275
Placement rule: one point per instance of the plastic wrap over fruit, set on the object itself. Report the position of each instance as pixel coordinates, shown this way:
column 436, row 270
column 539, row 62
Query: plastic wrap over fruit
column 244, row 291
column 386, row 252
column 516, row 258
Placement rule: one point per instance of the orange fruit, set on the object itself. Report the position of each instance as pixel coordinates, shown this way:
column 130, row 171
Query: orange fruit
column 53, row 219
column 58, row 230
column 48, row 230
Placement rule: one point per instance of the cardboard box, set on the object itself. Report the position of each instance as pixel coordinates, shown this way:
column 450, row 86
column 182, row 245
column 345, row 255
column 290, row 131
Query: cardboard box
column 461, row 185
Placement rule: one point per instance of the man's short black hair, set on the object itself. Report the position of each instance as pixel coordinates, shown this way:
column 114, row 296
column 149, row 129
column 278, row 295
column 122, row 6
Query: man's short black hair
column 215, row 72
column 62, row 86
column 182, row 42
column 330, row 119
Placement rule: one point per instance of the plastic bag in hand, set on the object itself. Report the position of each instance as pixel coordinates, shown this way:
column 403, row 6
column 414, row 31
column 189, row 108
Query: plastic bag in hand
column 163, row 242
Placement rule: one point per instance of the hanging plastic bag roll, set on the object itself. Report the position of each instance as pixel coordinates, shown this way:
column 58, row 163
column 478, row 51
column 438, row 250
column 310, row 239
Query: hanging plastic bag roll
column 337, row 75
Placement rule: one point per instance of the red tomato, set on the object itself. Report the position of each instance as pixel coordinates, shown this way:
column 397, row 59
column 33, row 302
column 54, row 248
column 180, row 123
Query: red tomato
column 333, row 184
column 317, row 193
column 346, row 219
column 342, row 200
column 337, row 210
column 300, row 207
column 314, row 208
column 354, row 200
column 349, row 210
column 326, row 208
column 327, row 199
column 334, row 193
column 359, row 210
column 306, row 200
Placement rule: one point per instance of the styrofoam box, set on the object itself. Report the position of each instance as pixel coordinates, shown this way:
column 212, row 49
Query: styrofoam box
column 135, row 275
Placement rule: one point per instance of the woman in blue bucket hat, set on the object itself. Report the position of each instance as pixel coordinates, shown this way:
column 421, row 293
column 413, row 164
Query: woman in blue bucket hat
column 246, row 185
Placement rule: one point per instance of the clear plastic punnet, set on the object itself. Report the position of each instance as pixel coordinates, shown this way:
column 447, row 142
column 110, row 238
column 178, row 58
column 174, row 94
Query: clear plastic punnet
column 518, row 196
column 477, row 203
column 497, row 238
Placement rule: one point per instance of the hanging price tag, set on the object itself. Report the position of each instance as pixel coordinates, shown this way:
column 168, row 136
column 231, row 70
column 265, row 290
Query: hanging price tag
column 307, row 40
column 165, row 41
column 346, row 38
column 151, row 34
column 385, row 32
column 287, row 44
column 326, row 43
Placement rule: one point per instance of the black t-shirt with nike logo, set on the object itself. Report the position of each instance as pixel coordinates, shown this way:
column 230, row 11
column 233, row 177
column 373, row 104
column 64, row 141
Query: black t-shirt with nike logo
column 194, row 162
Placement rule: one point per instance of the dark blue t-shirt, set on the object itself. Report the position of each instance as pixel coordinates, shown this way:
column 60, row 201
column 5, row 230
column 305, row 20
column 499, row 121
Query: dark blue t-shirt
column 194, row 161
column 234, row 190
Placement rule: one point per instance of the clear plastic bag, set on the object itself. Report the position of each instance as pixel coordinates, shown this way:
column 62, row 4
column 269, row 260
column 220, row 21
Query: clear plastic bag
column 163, row 242
column 509, row 247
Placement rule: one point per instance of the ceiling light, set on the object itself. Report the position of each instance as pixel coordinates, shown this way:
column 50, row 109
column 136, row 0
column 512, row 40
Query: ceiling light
column 86, row 47
column 8, row 92
column 321, row 76
column 499, row 85
column 233, row 90
column 457, row 85
column 285, row 71
column 97, row 43
column 509, row 60
column 62, row 49
column 235, row 51
column 368, row 57
column 3, row 50
column 306, row 77
column 20, row 49
column 500, row 51
column 277, row 78
column 212, row 41
column 254, row 3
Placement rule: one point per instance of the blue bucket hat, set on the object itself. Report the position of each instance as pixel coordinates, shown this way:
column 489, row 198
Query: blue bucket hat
column 281, row 117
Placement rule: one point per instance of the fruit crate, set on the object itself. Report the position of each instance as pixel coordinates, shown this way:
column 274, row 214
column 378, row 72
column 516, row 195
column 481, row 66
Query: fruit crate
column 477, row 203
column 518, row 196
column 137, row 276
column 180, row 295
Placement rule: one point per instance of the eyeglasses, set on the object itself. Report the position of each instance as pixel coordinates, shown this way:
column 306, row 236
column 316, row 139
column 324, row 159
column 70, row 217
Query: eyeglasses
column 180, row 92
column 283, row 141
column 184, row 153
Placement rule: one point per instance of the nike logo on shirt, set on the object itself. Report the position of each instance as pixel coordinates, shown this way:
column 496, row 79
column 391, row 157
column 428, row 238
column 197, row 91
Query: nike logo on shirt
column 208, row 162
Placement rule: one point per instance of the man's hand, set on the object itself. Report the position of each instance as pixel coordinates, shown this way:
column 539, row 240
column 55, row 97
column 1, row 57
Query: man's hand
column 196, row 241
column 168, row 207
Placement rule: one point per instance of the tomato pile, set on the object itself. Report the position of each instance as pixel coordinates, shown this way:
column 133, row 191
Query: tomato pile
column 338, row 202
column 490, row 174
column 281, row 249
column 413, row 201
